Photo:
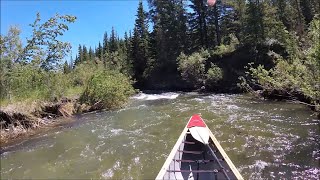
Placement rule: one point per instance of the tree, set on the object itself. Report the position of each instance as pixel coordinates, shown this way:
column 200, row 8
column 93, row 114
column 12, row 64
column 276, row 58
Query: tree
column 105, row 46
column 11, row 46
column 198, row 23
column 169, row 34
column 99, row 51
column 10, row 49
column 140, row 44
column 66, row 68
column 236, row 13
column 85, row 54
column 192, row 68
column 254, row 27
column 113, row 41
column 80, row 57
column 44, row 46
column 91, row 54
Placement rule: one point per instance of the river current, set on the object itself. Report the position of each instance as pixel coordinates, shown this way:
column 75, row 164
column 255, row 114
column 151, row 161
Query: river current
column 264, row 139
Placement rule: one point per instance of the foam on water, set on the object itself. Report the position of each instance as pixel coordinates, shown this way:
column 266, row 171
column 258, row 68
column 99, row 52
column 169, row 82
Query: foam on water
column 108, row 174
column 143, row 96
column 116, row 131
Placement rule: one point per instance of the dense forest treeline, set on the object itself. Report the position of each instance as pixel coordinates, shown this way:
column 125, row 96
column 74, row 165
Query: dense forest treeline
column 236, row 45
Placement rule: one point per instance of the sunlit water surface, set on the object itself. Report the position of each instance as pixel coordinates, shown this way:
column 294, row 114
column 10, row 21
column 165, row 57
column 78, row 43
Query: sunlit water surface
column 265, row 140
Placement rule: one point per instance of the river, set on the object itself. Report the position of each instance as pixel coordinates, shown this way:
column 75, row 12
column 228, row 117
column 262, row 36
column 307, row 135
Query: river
column 264, row 139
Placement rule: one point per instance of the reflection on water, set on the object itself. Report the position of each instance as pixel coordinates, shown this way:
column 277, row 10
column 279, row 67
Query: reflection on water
column 272, row 140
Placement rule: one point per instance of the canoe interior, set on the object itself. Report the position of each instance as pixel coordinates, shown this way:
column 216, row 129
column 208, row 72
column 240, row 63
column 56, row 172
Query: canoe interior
column 194, row 160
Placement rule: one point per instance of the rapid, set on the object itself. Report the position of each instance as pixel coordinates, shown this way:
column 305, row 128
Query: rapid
column 264, row 139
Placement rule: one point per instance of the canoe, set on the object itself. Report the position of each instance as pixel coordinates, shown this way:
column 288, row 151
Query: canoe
column 198, row 155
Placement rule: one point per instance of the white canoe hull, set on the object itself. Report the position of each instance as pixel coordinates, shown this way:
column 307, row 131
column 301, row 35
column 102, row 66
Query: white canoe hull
column 191, row 159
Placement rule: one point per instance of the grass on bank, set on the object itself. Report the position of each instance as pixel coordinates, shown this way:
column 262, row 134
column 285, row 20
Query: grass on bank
column 27, row 84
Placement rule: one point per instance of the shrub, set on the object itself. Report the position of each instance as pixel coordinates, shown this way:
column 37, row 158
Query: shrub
column 231, row 42
column 213, row 75
column 192, row 68
column 110, row 88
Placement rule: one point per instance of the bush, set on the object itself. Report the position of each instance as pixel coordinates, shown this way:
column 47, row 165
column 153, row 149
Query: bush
column 110, row 88
column 29, row 82
column 213, row 75
column 231, row 42
column 192, row 68
column 83, row 72
column 295, row 75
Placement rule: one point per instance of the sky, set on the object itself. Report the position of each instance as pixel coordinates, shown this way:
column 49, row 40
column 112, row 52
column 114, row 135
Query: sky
column 93, row 18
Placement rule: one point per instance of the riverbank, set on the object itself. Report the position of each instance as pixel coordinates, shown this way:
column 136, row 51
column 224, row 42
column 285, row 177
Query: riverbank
column 21, row 120
column 24, row 119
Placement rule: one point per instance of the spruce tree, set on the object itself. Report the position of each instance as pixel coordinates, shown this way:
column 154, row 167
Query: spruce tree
column 91, row 54
column 254, row 28
column 79, row 57
column 169, row 34
column 85, row 54
column 113, row 41
column 198, row 24
column 105, row 43
column 140, row 44
column 99, row 51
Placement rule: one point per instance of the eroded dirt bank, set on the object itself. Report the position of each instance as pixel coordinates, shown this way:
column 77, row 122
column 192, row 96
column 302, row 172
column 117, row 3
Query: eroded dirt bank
column 21, row 120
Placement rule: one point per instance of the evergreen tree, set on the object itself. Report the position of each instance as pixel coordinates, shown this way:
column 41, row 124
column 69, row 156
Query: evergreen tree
column 113, row 41
column 79, row 57
column 198, row 23
column 99, row 51
column 169, row 34
column 66, row 68
column 105, row 49
column 231, row 20
column 91, row 54
column 76, row 62
column 71, row 63
column 254, row 27
column 140, row 44
column 85, row 54
column 216, row 14
column 105, row 43
column 128, row 53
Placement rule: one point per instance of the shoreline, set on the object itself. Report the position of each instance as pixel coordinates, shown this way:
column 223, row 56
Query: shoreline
column 21, row 121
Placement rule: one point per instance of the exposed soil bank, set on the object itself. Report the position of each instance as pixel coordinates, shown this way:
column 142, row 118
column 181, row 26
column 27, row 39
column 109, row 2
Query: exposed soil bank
column 22, row 120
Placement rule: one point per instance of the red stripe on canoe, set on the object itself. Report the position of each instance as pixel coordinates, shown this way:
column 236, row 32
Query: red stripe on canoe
column 196, row 121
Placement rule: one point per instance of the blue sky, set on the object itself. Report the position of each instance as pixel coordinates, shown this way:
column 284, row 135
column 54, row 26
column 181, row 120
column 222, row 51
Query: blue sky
column 93, row 17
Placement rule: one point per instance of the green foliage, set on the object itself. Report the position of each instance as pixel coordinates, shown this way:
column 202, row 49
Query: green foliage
column 254, row 25
column 140, row 44
column 313, row 53
column 44, row 46
column 223, row 49
column 110, row 88
column 226, row 30
column 169, row 35
column 11, row 45
column 214, row 75
column 83, row 72
column 198, row 22
column 29, row 82
column 118, row 61
column 192, row 68
column 295, row 76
